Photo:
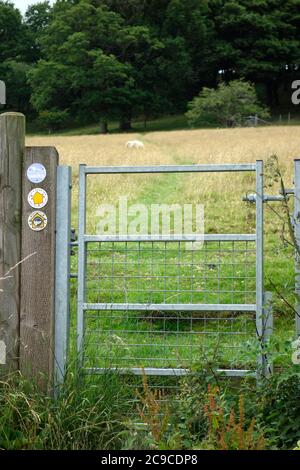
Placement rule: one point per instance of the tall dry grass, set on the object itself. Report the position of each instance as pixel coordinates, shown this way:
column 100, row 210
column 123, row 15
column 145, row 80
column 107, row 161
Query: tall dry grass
column 195, row 146
column 220, row 193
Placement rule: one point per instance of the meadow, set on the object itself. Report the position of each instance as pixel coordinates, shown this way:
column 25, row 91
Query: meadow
column 98, row 413
column 136, row 339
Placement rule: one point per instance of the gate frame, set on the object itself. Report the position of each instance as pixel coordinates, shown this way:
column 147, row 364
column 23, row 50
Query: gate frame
column 296, row 224
column 263, row 321
column 63, row 272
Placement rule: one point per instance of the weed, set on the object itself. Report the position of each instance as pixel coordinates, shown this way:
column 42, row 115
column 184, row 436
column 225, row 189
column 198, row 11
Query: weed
column 226, row 431
column 154, row 412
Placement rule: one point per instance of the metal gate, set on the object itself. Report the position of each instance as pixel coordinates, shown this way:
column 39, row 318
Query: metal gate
column 146, row 303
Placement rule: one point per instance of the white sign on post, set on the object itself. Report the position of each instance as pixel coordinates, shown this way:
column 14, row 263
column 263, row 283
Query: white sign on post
column 36, row 173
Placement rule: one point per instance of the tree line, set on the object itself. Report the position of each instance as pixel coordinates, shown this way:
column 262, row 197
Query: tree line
column 83, row 61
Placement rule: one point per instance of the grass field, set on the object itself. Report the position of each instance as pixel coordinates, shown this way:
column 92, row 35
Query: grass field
column 136, row 339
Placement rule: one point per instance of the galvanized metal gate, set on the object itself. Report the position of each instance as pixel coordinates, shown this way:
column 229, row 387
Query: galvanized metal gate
column 147, row 304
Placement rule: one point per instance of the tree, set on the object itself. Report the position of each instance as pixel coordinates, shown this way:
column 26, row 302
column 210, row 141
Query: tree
column 81, row 73
column 13, row 57
column 111, row 88
column 227, row 105
column 53, row 119
column 155, row 62
column 125, row 59
column 107, row 69
column 11, row 32
column 37, row 18
column 51, row 85
column 182, row 30
column 18, row 92
column 256, row 39
column 188, row 20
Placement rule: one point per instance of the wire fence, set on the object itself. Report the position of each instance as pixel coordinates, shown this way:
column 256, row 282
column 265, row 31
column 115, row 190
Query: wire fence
column 167, row 272
column 171, row 274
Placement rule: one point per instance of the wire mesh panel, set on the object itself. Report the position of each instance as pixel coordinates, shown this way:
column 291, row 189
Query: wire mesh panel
column 164, row 305
column 121, row 339
column 169, row 273
column 154, row 273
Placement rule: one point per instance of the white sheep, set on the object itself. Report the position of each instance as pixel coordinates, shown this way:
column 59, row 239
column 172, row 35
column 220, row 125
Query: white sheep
column 135, row 144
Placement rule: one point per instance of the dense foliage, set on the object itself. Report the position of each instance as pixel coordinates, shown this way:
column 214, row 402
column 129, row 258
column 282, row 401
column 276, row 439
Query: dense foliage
column 205, row 414
column 228, row 105
column 100, row 60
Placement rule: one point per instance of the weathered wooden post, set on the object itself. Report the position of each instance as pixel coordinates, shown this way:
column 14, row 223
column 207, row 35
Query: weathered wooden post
column 37, row 312
column 12, row 145
column 35, row 208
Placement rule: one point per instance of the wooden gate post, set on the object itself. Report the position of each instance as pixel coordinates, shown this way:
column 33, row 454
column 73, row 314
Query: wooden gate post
column 37, row 319
column 12, row 144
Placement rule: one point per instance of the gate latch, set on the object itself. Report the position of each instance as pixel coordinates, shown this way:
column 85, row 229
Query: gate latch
column 252, row 197
column 73, row 240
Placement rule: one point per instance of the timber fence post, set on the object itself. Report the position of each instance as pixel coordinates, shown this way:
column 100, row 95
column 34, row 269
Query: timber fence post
column 12, row 146
column 37, row 313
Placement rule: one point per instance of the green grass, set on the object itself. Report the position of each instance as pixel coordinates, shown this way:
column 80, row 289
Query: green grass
column 165, row 123
column 172, row 273
column 85, row 416
column 98, row 412
column 168, row 123
column 168, row 273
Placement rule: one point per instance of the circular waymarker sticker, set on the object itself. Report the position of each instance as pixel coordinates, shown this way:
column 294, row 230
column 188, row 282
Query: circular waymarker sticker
column 37, row 198
column 36, row 173
column 37, row 221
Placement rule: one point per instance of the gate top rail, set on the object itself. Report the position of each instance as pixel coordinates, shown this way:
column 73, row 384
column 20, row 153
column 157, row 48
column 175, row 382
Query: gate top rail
column 172, row 238
column 213, row 168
